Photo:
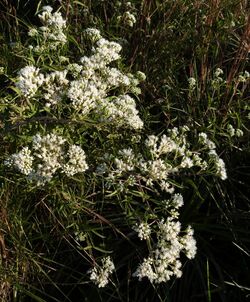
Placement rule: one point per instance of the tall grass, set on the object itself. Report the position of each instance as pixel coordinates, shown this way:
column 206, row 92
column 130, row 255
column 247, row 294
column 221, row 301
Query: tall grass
column 52, row 235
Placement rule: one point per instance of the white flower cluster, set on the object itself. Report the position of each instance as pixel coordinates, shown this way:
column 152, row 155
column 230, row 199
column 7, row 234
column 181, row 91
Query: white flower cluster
column 52, row 30
column 93, row 34
column 217, row 80
column 105, row 52
column 177, row 200
column 100, row 274
column 22, row 161
column 173, row 204
column 244, row 77
column 217, row 162
column 121, row 111
column 91, row 86
column 162, row 159
column 127, row 18
column 164, row 261
column 218, row 72
column 76, row 161
column 234, row 132
column 127, row 162
column 84, row 93
column 29, row 80
column 53, row 87
column 191, row 83
column 204, row 140
column 46, row 156
column 143, row 229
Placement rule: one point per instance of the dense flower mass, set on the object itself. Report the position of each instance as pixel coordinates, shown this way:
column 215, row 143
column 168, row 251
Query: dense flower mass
column 52, row 31
column 164, row 261
column 91, row 86
column 46, row 156
column 169, row 155
column 29, row 80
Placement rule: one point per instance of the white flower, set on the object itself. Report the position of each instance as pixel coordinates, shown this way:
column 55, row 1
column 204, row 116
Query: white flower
column 106, row 52
column 29, row 80
column 186, row 162
column 177, row 200
column 203, row 139
column 143, row 230
column 192, row 83
column 221, row 170
column 47, row 158
column 47, row 9
column 164, row 261
column 189, row 243
column 141, row 76
column 166, row 145
column 54, row 87
column 22, row 161
column 231, row 130
column 166, row 186
column 145, row 269
column 77, row 161
column 48, row 149
column 244, row 77
column 52, row 29
column 100, row 274
column 151, row 143
column 121, row 111
column 239, row 132
column 93, row 34
column 158, row 169
column 84, row 94
column 75, row 69
column 129, row 19
column 33, row 32
column 219, row 164
column 218, row 72
column 116, row 78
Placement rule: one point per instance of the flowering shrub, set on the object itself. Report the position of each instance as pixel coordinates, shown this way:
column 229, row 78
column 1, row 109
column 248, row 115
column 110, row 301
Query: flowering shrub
column 92, row 88
column 84, row 149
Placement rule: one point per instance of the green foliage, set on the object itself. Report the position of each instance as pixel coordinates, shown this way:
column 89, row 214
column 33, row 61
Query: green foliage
column 55, row 231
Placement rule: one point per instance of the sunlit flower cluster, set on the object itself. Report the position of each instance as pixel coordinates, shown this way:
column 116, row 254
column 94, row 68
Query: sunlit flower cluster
column 93, row 34
column 191, row 83
column 217, row 79
column 29, row 80
column 120, row 111
column 46, row 156
column 143, row 229
column 22, row 160
column 165, row 157
column 52, row 32
column 234, row 132
column 217, row 162
column 90, row 86
column 244, row 77
column 100, row 274
column 127, row 18
column 164, row 260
